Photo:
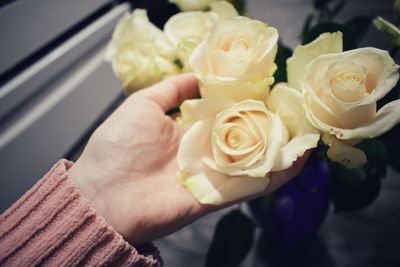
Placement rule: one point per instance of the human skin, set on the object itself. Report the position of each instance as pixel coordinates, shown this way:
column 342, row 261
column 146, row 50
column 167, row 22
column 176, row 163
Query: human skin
column 129, row 171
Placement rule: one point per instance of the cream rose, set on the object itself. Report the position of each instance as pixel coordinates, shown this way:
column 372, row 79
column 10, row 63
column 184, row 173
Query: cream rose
column 236, row 60
column 186, row 30
column 341, row 91
column 192, row 5
column 230, row 148
column 140, row 52
column 138, row 71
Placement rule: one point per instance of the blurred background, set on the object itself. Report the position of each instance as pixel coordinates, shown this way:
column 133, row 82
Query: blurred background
column 55, row 88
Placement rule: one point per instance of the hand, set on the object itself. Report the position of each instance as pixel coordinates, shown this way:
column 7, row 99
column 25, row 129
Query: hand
column 129, row 171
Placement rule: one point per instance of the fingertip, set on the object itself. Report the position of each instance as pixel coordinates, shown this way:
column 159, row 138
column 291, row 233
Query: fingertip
column 172, row 91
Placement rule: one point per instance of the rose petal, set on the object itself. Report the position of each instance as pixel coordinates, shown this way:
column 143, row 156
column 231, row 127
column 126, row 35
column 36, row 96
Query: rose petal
column 223, row 9
column 386, row 118
column 340, row 152
column 215, row 188
column 195, row 144
column 248, row 87
column 303, row 54
column 288, row 103
column 194, row 110
column 185, row 25
column 274, row 145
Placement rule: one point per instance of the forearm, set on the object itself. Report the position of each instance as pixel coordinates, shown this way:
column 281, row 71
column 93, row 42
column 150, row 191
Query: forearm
column 52, row 224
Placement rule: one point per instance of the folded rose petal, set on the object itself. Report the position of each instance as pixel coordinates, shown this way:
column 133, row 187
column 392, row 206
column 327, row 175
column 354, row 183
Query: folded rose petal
column 340, row 152
column 212, row 187
column 386, row 118
column 202, row 109
column 288, row 103
column 326, row 43
column 195, row 144
column 237, row 89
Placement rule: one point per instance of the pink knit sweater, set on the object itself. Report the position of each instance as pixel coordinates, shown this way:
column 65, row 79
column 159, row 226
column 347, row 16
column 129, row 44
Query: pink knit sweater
column 52, row 224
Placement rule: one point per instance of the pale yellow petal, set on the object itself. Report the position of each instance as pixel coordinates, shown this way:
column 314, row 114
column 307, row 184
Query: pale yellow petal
column 189, row 25
column 326, row 43
column 386, row 118
column 214, row 188
column 195, row 144
column 224, row 9
column 288, row 103
column 194, row 110
column 382, row 74
column 340, row 152
column 249, row 87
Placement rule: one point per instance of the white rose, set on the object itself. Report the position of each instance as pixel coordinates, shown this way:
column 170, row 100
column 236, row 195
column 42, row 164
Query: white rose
column 138, row 71
column 192, row 5
column 186, row 30
column 236, row 60
column 140, row 52
column 341, row 91
column 135, row 31
column 230, row 148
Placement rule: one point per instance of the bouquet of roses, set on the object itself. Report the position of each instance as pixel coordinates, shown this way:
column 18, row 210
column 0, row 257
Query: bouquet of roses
column 245, row 126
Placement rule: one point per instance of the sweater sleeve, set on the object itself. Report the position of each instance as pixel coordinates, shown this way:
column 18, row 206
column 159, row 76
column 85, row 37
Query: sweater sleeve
column 52, row 224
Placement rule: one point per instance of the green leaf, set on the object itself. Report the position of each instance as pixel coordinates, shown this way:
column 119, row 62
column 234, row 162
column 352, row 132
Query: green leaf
column 349, row 177
column 353, row 189
column 232, row 240
column 396, row 6
column 387, row 28
column 375, row 150
column 360, row 26
column 377, row 157
column 349, row 41
column 282, row 55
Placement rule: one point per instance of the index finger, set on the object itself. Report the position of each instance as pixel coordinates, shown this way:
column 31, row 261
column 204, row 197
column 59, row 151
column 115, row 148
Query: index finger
column 171, row 92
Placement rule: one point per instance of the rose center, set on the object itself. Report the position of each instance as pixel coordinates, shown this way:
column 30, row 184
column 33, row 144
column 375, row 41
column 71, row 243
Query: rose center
column 234, row 139
column 348, row 81
column 351, row 81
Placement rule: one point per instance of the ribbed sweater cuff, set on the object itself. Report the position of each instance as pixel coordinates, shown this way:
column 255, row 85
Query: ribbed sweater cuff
column 53, row 224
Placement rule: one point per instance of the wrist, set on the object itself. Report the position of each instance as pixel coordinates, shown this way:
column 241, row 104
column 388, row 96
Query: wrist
column 82, row 179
